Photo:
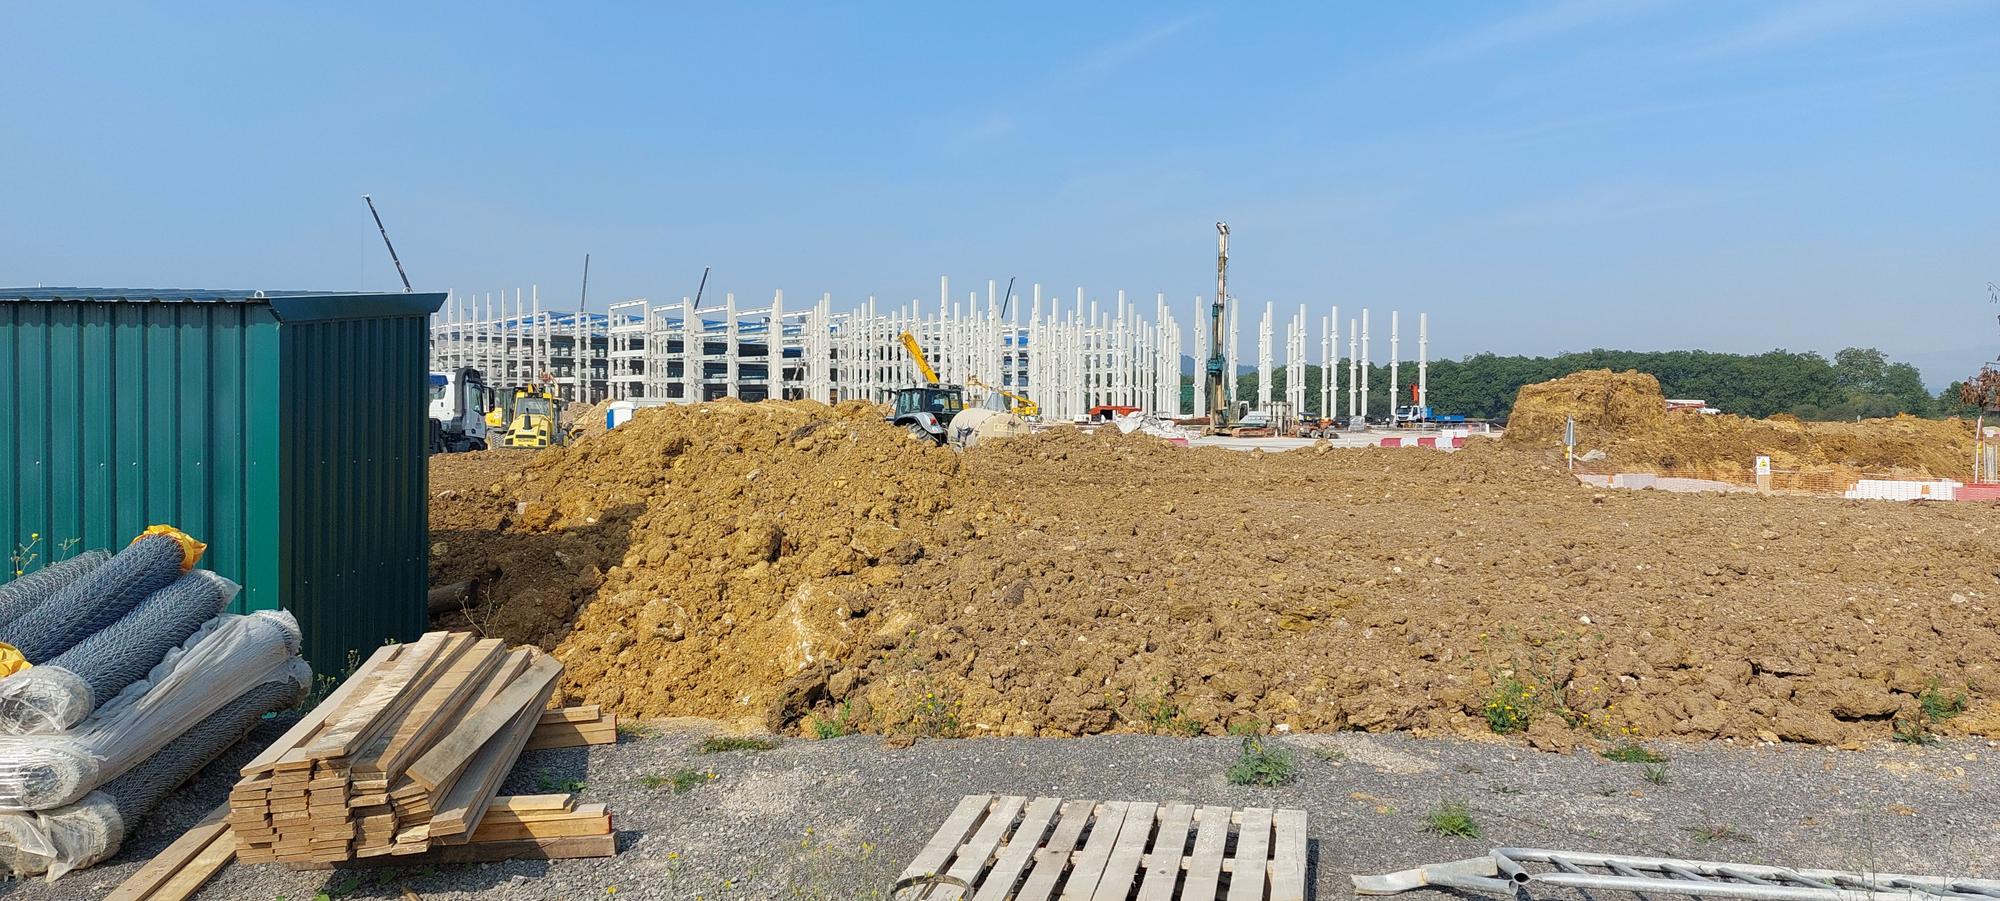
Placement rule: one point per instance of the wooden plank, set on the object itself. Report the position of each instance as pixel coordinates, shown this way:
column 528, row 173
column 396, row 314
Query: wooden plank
column 571, row 735
column 316, row 717
column 1012, row 859
column 1050, row 863
column 450, row 756
column 587, row 713
column 521, row 803
column 496, row 815
column 489, row 831
column 1288, row 857
column 352, row 726
column 1253, row 851
column 939, row 850
column 1211, row 838
column 154, row 873
column 1116, row 883
column 424, row 719
column 190, row 878
column 972, row 855
column 1088, row 868
column 566, row 848
column 1168, row 853
column 461, row 808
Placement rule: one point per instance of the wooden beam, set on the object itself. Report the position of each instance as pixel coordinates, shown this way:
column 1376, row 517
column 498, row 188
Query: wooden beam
column 449, row 757
column 316, row 717
column 146, row 880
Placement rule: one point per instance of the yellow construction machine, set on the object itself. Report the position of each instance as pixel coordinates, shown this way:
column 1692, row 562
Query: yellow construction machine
column 529, row 417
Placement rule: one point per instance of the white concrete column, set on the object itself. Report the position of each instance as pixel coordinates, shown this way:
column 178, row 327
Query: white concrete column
column 1423, row 359
column 1395, row 353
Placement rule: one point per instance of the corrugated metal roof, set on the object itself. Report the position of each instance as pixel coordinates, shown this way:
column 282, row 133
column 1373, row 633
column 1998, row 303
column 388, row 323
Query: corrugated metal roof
column 154, row 295
column 290, row 306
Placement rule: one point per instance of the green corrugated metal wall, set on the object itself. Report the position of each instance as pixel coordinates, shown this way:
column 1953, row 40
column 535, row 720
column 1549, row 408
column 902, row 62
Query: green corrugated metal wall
column 356, row 498
column 289, row 435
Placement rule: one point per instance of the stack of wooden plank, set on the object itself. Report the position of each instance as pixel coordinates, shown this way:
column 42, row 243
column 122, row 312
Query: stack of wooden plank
column 406, row 755
column 573, row 727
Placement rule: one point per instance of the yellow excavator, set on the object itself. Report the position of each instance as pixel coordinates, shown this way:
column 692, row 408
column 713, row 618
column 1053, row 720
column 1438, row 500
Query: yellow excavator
column 528, row 417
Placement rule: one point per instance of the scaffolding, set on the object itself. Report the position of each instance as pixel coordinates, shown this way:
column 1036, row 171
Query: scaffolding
column 1069, row 357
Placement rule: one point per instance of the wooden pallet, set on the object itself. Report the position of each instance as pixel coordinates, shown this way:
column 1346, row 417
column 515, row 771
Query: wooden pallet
column 997, row 848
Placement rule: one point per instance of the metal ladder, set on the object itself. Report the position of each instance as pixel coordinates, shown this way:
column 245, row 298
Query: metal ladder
column 1503, row 873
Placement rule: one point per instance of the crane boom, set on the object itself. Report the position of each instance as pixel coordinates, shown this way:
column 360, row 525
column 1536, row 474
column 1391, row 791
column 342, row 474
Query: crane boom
column 385, row 242
column 1218, row 398
column 917, row 354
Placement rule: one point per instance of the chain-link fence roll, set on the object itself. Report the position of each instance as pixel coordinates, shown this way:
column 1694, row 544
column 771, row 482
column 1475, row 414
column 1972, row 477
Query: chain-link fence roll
column 29, row 591
column 83, row 607
column 58, row 694
column 90, row 830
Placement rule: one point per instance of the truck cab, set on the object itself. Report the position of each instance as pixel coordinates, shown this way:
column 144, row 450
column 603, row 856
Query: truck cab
column 459, row 400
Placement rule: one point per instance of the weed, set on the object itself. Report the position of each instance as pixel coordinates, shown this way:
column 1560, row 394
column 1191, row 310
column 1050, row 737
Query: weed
column 1914, row 731
column 343, row 885
column 636, row 729
column 936, row 716
column 682, row 781
column 1715, row 832
column 1511, row 707
column 1452, row 819
column 1656, row 773
column 720, row 743
column 551, row 784
column 1247, row 729
column 1331, row 755
column 1502, row 788
column 27, row 556
column 1938, row 706
column 1163, row 717
column 836, row 727
column 1632, row 752
column 1262, row 764
column 323, row 685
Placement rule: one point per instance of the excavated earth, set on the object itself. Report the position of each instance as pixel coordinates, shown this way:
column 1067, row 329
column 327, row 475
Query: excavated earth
column 808, row 568
column 1624, row 415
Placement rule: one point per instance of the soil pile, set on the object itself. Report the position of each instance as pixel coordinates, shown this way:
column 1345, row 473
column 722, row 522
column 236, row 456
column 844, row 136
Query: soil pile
column 772, row 561
column 693, row 559
column 1624, row 415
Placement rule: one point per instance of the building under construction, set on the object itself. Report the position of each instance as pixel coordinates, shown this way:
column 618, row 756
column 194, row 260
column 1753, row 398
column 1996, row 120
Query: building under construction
column 1069, row 354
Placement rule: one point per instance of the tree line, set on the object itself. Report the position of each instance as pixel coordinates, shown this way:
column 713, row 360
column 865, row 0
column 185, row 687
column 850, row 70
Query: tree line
column 1858, row 381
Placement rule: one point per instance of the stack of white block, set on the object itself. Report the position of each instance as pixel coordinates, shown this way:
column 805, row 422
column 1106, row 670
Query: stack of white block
column 1904, row 490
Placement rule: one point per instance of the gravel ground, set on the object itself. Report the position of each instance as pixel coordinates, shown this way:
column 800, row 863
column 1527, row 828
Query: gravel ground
column 837, row 819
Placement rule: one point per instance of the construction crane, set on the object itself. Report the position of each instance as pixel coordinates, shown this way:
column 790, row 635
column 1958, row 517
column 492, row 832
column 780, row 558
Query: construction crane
column 1218, row 398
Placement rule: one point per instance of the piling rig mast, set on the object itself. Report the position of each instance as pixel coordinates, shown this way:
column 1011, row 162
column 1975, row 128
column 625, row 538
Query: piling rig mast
column 1218, row 363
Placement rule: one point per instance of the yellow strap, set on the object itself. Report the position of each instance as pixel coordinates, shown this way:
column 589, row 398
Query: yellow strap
column 11, row 661
column 191, row 550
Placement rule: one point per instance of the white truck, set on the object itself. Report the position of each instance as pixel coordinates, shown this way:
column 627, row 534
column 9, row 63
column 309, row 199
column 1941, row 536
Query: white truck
column 459, row 401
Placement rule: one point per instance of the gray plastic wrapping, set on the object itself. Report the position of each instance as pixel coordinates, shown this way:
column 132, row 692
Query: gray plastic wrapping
column 39, row 772
column 56, row 695
column 84, row 607
column 78, row 835
column 29, row 591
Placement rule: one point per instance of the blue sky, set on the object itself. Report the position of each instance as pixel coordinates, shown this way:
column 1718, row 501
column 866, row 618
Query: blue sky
column 1540, row 177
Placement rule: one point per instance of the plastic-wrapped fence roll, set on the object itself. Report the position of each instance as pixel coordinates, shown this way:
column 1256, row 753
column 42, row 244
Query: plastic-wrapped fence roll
column 90, row 830
column 41, row 772
column 83, row 607
column 29, row 591
column 58, row 694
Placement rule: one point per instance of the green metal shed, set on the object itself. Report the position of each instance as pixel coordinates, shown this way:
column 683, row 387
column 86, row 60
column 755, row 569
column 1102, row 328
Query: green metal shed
column 288, row 430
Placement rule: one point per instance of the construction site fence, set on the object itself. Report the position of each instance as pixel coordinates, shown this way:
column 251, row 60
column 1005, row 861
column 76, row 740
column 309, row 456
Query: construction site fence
column 1780, row 481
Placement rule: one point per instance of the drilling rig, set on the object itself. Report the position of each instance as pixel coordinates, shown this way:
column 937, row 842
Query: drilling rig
column 1218, row 363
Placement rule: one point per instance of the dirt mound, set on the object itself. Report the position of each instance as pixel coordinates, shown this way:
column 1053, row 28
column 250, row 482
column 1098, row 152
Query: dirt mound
column 693, row 559
column 771, row 561
column 1624, row 415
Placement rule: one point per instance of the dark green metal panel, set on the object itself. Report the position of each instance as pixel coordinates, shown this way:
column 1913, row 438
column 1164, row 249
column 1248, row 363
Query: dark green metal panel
column 289, row 433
